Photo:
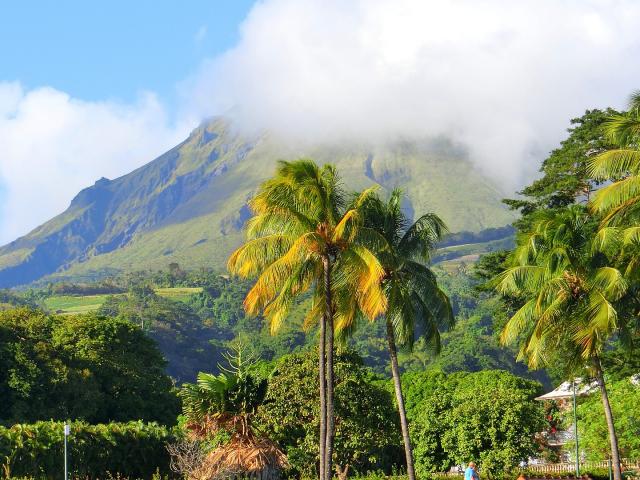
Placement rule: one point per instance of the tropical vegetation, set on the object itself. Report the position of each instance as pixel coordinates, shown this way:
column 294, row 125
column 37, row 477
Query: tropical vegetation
column 303, row 237
column 416, row 304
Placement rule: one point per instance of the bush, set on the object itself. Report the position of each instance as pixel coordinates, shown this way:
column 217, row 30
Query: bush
column 133, row 449
column 490, row 417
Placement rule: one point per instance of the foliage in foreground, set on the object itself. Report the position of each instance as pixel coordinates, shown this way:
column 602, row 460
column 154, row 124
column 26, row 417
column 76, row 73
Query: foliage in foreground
column 367, row 431
column 133, row 449
column 88, row 367
column 490, row 417
column 221, row 406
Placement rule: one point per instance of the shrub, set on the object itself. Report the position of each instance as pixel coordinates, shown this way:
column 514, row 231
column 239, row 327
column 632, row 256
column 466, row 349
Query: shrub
column 133, row 449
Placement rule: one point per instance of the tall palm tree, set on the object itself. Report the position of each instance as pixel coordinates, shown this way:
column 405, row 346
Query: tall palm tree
column 570, row 292
column 620, row 200
column 415, row 302
column 302, row 238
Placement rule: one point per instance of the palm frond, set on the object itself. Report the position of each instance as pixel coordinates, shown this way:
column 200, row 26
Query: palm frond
column 520, row 278
column 610, row 282
column 519, row 322
column 614, row 164
column 421, row 237
column 617, row 195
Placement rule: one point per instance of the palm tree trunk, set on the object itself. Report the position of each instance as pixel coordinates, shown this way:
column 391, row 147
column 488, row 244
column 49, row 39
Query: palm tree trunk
column 328, row 450
column 613, row 439
column 323, row 394
column 404, row 425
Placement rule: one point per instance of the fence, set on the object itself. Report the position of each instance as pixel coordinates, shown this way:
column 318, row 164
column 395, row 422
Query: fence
column 557, row 468
column 626, row 464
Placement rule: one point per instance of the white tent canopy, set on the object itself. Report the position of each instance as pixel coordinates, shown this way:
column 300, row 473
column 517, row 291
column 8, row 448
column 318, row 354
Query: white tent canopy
column 565, row 390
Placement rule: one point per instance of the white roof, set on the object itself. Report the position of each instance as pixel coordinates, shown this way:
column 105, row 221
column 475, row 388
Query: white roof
column 565, row 390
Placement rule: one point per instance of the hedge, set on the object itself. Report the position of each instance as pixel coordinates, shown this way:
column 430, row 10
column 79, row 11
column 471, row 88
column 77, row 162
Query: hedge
column 133, row 449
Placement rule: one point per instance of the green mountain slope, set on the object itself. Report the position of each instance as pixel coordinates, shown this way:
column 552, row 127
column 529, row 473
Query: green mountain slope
column 189, row 204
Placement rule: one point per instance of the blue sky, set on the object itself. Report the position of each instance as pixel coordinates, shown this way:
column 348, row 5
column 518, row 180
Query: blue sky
column 96, row 50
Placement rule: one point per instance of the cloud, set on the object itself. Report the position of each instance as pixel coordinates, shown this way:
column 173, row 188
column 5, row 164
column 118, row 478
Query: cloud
column 52, row 145
column 503, row 78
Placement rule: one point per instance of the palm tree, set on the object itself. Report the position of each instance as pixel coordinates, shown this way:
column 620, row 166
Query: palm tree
column 570, row 293
column 414, row 298
column 228, row 402
column 302, row 238
column 620, row 200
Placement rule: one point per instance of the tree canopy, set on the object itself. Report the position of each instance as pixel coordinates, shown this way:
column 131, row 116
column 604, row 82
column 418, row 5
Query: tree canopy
column 85, row 367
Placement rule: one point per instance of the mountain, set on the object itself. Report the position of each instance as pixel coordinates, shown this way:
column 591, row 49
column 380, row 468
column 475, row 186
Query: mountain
column 189, row 204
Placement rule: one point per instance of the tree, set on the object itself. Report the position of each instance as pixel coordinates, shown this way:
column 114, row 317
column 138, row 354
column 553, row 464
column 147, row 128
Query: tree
column 570, row 291
column 489, row 416
column 415, row 302
column 180, row 334
column 302, row 237
column 366, row 424
column 85, row 367
column 620, row 200
column 565, row 176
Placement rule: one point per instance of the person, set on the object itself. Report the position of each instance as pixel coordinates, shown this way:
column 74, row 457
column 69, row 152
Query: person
column 470, row 473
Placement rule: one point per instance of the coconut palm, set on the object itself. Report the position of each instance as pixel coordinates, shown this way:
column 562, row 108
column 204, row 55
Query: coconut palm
column 619, row 201
column 570, row 292
column 300, row 238
column 415, row 302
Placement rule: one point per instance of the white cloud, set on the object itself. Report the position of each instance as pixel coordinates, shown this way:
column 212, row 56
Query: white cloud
column 52, row 146
column 502, row 77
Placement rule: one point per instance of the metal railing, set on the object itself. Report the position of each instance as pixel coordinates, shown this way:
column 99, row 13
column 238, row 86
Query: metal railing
column 556, row 468
column 626, row 464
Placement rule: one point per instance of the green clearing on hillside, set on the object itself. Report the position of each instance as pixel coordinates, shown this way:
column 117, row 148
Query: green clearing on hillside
column 179, row 294
column 73, row 304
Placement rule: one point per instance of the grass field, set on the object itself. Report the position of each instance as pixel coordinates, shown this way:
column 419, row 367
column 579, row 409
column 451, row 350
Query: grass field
column 72, row 304
column 179, row 294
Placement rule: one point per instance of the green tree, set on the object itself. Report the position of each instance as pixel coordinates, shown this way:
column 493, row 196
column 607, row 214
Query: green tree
column 182, row 336
column 415, row 301
column 302, row 237
column 570, row 292
column 366, row 423
column 489, row 416
column 86, row 367
column 566, row 176
column 123, row 361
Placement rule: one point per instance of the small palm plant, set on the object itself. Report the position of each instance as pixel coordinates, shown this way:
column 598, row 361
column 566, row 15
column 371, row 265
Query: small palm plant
column 570, row 292
column 226, row 403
